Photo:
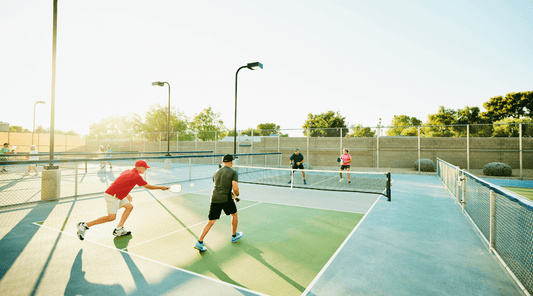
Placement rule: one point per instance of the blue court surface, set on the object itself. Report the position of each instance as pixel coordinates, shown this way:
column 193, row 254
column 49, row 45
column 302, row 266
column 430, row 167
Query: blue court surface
column 418, row 244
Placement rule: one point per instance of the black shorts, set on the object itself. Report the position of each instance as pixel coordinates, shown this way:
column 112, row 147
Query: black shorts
column 344, row 167
column 298, row 166
column 215, row 209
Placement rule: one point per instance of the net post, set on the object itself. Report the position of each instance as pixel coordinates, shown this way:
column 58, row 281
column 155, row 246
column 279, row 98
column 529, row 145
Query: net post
column 292, row 179
column 388, row 187
column 492, row 216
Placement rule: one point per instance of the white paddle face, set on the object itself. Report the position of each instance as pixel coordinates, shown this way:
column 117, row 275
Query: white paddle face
column 176, row 188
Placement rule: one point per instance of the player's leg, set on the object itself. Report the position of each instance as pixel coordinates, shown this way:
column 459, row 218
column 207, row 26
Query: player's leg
column 128, row 207
column 348, row 174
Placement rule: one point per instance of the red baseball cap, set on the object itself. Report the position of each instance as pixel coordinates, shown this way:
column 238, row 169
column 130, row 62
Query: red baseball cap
column 141, row 163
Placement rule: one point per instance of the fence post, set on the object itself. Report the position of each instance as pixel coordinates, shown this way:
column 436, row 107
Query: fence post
column 190, row 163
column 279, row 155
column 456, row 177
column 418, row 150
column 467, row 147
column 252, row 148
column 464, row 191
column 215, row 150
column 377, row 153
column 308, row 161
column 76, row 180
column 492, row 216
column 520, row 129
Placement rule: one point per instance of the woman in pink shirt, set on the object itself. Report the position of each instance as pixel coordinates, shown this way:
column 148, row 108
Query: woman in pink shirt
column 346, row 159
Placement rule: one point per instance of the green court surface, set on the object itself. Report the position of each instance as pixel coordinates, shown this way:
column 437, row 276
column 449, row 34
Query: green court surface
column 525, row 192
column 283, row 249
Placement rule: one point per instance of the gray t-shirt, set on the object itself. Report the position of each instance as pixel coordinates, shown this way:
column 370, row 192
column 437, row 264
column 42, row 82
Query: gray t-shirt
column 222, row 181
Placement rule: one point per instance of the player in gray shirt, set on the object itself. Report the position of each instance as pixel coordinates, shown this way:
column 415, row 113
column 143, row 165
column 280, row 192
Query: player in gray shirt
column 226, row 188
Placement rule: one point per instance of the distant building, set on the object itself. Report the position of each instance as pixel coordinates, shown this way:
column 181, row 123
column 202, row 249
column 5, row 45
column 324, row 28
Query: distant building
column 4, row 126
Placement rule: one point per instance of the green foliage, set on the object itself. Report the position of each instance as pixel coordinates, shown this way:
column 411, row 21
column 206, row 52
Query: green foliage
column 509, row 127
column 114, row 125
column 18, row 129
column 207, row 123
column 514, row 105
column 403, row 125
column 156, row 122
column 266, row 129
column 327, row 124
column 439, row 124
column 426, row 165
column 360, row 131
column 497, row 169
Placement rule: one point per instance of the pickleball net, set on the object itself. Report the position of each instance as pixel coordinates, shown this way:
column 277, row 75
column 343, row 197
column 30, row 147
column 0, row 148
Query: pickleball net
column 364, row 182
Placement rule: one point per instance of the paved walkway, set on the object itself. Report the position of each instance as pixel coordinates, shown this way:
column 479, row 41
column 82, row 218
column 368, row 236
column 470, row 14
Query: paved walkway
column 419, row 244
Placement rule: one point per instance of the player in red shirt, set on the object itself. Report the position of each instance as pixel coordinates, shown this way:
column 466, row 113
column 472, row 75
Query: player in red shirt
column 118, row 196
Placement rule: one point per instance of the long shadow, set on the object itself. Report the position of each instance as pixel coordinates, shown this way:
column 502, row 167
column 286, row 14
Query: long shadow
column 16, row 240
column 78, row 285
column 12, row 182
column 256, row 254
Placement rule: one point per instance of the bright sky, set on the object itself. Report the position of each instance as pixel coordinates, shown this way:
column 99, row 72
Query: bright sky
column 366, row 59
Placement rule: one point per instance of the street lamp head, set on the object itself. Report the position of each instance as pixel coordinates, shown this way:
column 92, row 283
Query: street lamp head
column 40, row 102
column 254, row 66
column 159, row 83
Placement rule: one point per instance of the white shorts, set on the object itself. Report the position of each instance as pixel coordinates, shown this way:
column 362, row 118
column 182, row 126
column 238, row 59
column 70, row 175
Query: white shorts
column 113, row 203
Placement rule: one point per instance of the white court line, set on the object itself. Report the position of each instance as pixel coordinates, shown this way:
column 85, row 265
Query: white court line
column 305, row 207
column 156, row 238
column 310, row 286
column 160, row 263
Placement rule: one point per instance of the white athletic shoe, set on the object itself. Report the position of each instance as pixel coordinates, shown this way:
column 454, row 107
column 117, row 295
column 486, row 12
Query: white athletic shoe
column 340, row 181
column 121, row 232
column 82, row 228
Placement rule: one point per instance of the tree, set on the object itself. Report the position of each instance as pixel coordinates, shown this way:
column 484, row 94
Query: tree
column 155, row 125
column 114, row 125
column 18, row 129
column 360, row 131
column 327, row 124
column 207, row 123
column 403, row 125
column 513, row 105
column 266, row 129
column 509, row 127
column 440, row 124
column 472, row 116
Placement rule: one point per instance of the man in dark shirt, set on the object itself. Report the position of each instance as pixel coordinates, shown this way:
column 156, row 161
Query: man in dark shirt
column 297, row 160
column 225, row 180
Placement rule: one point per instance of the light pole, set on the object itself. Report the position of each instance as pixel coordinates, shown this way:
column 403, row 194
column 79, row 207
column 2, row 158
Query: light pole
column 159, row 83
column 251, row 66
column 33, row 131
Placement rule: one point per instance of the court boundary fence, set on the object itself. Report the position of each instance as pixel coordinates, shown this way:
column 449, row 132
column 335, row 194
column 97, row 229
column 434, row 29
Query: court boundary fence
column 504, row 220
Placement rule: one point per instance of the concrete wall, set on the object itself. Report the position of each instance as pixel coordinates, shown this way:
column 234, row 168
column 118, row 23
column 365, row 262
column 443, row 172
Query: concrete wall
column 394, row 152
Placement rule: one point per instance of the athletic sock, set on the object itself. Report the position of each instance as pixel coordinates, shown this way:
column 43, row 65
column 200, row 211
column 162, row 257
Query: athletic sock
column 235, row 235
column 201, row 242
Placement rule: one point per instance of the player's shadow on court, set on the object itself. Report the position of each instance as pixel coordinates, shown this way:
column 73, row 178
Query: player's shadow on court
column 256, row 254
column 78, row 285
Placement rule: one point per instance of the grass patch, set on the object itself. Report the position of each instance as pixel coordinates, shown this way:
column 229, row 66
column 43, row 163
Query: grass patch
column 525, row 192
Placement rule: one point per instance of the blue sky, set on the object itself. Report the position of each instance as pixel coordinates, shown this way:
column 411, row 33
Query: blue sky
column 365, row 59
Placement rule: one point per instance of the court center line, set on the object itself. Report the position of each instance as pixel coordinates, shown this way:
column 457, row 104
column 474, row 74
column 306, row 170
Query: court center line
column 319, row 275
column 183, row 229
column 160, row 263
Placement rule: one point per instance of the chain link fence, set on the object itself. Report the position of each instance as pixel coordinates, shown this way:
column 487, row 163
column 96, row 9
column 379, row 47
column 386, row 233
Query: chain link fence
column 504, row 219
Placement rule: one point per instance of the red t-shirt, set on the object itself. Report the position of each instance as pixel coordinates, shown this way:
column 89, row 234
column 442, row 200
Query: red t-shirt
column 125, row 183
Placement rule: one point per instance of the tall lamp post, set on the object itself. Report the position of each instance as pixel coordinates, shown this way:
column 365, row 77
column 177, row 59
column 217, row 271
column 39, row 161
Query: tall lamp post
column 33, row 131
column 159, row 83
column 251, row 66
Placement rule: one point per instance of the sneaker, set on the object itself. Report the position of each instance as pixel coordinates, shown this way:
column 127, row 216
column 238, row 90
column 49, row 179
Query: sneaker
column 237, row 237
column 340, row 181
column 82, row 228
column 349, row 181
column 200, row 246
column 121, row 231
column 305, row 183
column 289, row 182
column 110, row 167
column 4, row 170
